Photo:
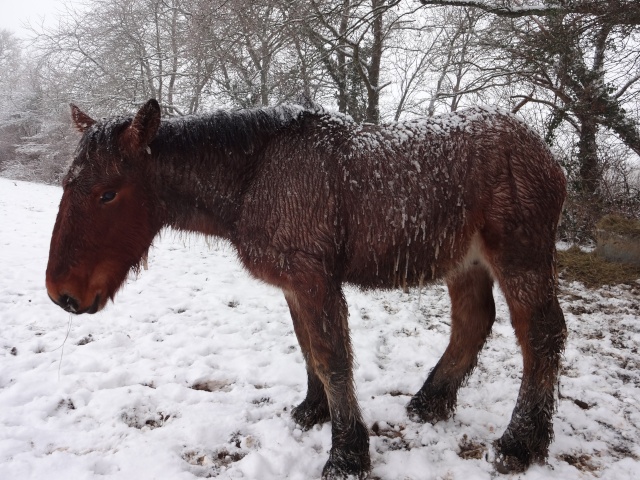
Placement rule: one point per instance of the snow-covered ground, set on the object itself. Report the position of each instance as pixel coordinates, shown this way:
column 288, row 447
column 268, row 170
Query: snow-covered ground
column 194, row 370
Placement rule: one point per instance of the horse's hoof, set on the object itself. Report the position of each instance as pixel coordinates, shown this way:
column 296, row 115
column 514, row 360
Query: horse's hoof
column 507, row 464
column 513, row 457
column 306, row 415
column 346, row 466
column 427, row 410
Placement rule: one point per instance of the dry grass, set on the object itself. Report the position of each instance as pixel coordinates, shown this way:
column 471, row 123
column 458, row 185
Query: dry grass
column 619, row 225
column 593, row 271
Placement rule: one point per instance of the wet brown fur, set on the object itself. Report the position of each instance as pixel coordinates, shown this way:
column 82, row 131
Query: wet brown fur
column 312, row 201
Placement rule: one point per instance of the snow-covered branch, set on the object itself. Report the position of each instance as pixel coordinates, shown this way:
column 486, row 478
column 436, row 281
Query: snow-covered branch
column 626, row 86
column 501, row 10
column 621, row 12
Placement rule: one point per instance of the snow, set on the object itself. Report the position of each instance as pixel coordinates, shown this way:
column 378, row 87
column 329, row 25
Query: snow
column 111, row 395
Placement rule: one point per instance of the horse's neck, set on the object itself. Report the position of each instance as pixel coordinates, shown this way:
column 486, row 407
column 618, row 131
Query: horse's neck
column 201, row 191
column 208, row 163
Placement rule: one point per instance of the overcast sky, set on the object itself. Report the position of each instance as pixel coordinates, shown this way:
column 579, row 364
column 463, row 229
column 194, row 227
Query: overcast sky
column 14, row 13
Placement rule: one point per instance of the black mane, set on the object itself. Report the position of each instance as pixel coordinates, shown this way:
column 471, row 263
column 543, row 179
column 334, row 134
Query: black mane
column 230, row 134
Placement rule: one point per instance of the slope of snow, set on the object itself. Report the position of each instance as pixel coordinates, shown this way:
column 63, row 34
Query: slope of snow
column 112, row 395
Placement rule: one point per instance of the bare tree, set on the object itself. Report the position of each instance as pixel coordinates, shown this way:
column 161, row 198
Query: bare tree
column 32, row 134
column 253, row 66
column 350, row 37
column 121, row 52
column 10, row 65
column 12, row 121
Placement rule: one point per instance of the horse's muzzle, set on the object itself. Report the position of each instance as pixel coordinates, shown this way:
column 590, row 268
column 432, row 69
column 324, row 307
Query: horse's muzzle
column 71, row 305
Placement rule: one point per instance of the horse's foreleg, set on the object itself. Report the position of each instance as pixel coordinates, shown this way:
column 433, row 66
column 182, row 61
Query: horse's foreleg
column 472, row 315
column 322, row 310
column 314, row 409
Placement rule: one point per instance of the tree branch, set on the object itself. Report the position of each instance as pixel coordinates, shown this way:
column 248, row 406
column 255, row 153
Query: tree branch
column 621, row 12
column 626, row 86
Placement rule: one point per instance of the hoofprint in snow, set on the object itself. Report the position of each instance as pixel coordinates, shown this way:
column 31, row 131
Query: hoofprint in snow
column 194, row 370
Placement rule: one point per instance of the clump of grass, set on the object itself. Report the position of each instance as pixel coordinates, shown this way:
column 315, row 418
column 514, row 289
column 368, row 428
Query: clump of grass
column 620, row 225
column 594, row 271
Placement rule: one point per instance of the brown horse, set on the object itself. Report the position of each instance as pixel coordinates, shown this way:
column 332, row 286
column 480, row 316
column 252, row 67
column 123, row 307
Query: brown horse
column 311, row 201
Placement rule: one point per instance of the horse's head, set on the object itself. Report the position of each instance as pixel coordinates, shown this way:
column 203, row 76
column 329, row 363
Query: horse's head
column 108, row 214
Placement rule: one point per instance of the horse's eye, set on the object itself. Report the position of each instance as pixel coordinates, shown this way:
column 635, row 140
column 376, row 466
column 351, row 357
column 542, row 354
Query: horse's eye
column 107, row 197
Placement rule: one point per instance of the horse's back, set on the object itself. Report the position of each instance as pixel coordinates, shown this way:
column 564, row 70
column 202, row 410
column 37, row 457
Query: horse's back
column 417, row 193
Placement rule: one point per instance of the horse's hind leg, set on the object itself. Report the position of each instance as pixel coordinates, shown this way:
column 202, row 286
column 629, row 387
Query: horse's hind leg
column 472, row 315
column 540, row 329
column 314, row 409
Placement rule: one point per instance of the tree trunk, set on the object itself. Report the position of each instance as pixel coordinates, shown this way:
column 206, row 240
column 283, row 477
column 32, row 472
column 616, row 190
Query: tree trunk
column 373, row 87
column 343, row 69
column 588, row 156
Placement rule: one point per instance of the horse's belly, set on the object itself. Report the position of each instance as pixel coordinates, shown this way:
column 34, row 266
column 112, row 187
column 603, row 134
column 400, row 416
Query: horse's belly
column 372, row 267
column 411, row 254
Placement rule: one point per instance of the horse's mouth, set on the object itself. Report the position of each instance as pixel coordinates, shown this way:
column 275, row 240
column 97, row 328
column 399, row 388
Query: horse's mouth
column 69, row 304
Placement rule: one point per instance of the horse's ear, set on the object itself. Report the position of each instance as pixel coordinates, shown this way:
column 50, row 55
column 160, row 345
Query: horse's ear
column 144, row 126
column 81, row 120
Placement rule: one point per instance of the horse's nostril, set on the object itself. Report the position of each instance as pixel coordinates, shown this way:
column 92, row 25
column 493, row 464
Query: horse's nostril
column 69, row 303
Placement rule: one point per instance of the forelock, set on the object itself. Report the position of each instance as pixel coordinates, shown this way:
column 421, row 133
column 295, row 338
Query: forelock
column 98, row 147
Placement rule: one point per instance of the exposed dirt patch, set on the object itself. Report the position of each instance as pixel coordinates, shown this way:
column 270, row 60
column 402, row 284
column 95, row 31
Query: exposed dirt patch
column 211, row 464
column 583, row 462
column 85, row 340
column 392, row 436
column 471, row 449
column 146, row 419
column 66, row 404
column 398, row 393
column 212, row 386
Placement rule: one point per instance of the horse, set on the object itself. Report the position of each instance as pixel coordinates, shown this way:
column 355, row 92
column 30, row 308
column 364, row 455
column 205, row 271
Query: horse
column 311, row 201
